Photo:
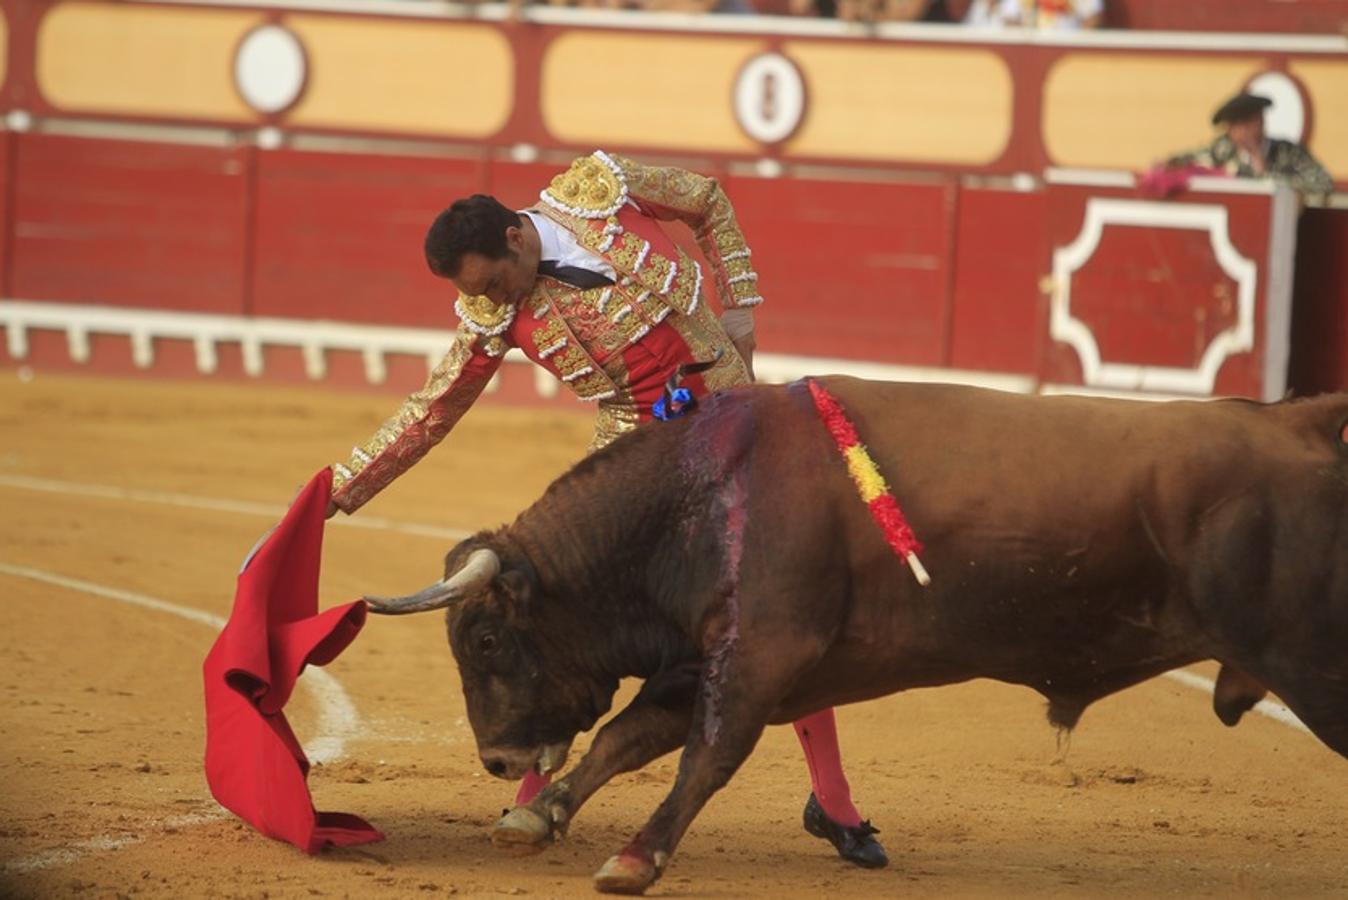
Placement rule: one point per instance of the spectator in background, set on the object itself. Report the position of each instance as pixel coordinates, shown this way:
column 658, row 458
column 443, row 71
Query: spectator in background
column 873, row 10
column 1059, row 15
column 680, row 6
column 697, row 6
column 517, row 6
column 1245, row 151
column 989, row 14
column 825, row 9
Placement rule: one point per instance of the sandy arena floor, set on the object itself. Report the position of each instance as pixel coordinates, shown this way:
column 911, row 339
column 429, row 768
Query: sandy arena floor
column 118, row 491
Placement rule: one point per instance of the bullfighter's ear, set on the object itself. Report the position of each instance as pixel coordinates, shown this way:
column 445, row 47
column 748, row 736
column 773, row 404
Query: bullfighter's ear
column 515, row 585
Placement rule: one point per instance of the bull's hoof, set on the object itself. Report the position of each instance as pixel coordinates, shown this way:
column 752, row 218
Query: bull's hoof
column 521, row 832
column 625, row 875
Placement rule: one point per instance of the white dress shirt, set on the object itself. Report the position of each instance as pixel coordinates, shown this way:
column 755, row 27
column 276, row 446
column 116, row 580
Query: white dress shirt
column 561, row 246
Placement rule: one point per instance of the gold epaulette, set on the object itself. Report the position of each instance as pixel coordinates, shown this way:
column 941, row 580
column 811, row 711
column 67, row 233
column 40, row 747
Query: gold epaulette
column 484, row 317
column 592, row 188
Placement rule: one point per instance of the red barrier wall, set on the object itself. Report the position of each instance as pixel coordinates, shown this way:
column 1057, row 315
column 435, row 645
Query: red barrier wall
column 998, row 309
column 129, row 223
column 887, row 236
column 1156, row 284
column 6, row 210
column 850, row 269
column 918, row 274
column 338, row 236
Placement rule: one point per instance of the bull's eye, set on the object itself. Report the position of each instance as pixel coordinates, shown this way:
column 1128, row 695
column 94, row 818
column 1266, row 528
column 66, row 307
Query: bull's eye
column 487, row 644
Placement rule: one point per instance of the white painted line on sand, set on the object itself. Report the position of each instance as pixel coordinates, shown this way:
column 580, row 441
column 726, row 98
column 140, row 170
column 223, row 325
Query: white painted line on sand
column 88, row 587
column 338, row 720
column 74, row 851
column 1275, row 711
column 218, row 504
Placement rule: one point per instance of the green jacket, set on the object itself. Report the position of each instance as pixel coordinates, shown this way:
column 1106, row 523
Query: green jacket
column 1285, row 161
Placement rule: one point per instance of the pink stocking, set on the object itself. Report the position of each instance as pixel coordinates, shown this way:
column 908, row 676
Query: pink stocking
column 818, row 735
column 530, row 786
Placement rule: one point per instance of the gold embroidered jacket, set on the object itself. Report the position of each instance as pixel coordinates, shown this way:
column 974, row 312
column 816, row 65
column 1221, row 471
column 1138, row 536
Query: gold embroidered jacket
column 615, row 345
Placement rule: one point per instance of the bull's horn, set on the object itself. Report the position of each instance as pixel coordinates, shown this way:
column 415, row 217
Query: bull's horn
column 481, row 567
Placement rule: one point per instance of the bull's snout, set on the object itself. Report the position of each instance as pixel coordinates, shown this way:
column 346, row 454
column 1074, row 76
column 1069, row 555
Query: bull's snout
column 506, row 764
column 511, row 763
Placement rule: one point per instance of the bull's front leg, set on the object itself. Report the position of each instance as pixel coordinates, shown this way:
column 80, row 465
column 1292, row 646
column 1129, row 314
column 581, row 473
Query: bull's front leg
column 737, row 696
column 656, row 722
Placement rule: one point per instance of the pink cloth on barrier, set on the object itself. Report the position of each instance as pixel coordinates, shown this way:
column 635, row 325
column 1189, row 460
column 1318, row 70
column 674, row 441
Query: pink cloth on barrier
column 1165, row 181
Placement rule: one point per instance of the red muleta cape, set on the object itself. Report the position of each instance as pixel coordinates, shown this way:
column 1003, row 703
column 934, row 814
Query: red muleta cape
column 255, row 766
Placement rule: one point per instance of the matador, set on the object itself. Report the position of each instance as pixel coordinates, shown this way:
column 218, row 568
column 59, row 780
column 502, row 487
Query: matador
column 588, row 286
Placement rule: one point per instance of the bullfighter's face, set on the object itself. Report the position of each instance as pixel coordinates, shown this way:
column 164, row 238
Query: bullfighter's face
column 524, row 711
column 508, row 280
column 1248, row 133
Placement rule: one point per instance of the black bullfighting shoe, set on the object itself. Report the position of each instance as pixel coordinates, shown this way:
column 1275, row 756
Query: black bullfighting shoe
column 856, row 845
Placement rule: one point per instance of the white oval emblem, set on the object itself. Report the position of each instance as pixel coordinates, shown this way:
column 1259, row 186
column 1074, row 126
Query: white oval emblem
column 1286, row 118
column 769, row 98
column 270, row 68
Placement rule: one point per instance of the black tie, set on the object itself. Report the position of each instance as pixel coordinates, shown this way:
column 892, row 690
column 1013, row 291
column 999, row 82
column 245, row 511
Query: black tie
column 573, row 275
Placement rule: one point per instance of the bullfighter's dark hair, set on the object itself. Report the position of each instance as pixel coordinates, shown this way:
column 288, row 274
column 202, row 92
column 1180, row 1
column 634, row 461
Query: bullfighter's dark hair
column 475, row 224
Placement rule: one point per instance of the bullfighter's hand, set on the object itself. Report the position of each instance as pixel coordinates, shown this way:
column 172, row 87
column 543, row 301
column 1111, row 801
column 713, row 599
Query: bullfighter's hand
column 746, row 346
column 332, row 505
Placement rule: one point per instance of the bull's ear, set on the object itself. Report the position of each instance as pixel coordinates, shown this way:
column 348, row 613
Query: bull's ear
column 518, row 591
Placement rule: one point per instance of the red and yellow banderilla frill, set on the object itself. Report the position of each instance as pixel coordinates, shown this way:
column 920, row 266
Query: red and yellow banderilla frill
column 870, row 483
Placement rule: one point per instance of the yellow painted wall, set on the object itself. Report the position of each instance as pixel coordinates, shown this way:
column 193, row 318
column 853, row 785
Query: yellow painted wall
column 1326, row 82
column 645, row 90
column 1120, row 111
column 142, row 60
column 411, row 76
column 944, row 105
column 903, row 103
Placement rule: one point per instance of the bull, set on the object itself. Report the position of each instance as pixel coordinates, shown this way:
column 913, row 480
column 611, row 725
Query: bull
column 1076, row 546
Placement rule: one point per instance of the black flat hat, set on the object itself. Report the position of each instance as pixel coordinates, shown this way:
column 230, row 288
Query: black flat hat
column 1240, row 107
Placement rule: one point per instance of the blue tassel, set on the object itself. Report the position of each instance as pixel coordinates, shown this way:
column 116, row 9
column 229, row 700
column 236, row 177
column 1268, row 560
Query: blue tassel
column 674, row 404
